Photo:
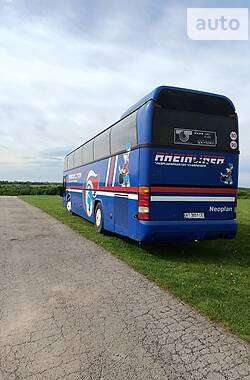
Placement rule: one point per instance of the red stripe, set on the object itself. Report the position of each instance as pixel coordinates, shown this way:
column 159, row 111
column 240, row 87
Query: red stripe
column 119, row 188
column 74, row 187
column 109, row 188
column 111, row 170
column 164, row 189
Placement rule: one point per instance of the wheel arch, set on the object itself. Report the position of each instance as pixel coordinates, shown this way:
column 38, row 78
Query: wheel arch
column 96, row 201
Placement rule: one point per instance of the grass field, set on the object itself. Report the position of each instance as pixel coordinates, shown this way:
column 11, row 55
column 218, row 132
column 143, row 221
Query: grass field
column 211, row 276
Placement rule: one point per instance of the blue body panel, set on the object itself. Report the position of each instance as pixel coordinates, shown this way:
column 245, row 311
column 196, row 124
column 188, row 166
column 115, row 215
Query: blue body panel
column 186, row 231
column 99, row 182
column 179, row 188
column 198, row 168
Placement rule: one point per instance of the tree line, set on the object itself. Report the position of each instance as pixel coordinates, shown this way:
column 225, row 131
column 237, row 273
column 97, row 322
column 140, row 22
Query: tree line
column 29, row 188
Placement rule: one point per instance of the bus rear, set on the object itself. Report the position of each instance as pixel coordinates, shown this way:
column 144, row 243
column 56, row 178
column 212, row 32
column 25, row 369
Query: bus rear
column 188, row 167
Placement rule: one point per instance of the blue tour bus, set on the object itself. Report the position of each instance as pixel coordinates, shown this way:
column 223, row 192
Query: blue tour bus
column 166, row 171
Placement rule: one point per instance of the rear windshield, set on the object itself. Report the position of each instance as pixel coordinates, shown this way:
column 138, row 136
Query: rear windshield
column 194, row 130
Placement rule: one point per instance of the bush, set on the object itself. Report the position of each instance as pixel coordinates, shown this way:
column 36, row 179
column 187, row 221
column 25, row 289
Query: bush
column 28, row 189
column 244, row 193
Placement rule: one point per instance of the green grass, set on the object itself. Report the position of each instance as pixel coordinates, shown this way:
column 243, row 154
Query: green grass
column 212, row 276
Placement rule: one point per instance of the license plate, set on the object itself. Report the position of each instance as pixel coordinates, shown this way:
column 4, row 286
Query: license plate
column 194, row 215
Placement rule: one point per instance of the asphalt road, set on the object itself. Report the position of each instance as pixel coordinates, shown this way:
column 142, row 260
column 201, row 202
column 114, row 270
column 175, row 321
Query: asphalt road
column 69, row 309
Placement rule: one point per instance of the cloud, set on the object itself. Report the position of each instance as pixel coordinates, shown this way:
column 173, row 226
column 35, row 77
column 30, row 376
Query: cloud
column 69, row 69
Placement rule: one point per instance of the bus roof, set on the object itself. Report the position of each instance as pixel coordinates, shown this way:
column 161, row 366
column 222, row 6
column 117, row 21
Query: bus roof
column 154, row 95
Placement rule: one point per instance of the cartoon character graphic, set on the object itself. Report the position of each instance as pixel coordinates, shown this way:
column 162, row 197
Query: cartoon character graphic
column 227, row 177
column 124, row 179
column 90, row 188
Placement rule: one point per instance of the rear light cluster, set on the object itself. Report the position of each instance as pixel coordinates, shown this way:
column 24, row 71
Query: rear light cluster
column 143, row 203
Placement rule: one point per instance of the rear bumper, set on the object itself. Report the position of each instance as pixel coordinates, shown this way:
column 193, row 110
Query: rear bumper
column 158, row 231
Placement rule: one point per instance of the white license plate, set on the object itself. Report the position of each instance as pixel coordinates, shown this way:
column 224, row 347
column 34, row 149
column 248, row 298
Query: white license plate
column 194, row 215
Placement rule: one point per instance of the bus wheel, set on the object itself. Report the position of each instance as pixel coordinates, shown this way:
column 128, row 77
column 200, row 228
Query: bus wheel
column 99, row 218
column 68, row 205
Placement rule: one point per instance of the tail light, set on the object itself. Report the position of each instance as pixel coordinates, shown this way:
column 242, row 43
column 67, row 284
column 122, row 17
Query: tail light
column 157, row 105
column 143, row 203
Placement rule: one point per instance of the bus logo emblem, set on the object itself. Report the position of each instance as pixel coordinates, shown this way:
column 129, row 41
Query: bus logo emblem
column 173, row 159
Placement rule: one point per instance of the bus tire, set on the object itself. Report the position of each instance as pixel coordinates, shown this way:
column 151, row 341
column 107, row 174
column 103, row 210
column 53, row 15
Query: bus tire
column 68, row 206
column 99, row 218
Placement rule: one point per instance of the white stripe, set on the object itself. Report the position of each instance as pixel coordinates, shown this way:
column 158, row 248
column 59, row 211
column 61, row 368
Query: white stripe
column 162, row 198
column 133, row 196
column 113, row 194
column 166, row 198
column 108, row 193
column 75, row 190
column 116, row 159
column 107, row 176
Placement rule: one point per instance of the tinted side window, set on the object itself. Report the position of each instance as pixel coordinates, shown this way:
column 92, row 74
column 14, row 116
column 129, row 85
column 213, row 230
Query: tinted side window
column 101, row 145
column 124, row 133
column 78, row 157
column 87, row 152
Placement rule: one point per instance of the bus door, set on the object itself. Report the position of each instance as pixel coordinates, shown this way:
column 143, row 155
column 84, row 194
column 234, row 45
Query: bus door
column 121, row 213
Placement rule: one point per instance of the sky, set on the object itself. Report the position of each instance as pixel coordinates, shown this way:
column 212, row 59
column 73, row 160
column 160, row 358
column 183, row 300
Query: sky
column 70, row 68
